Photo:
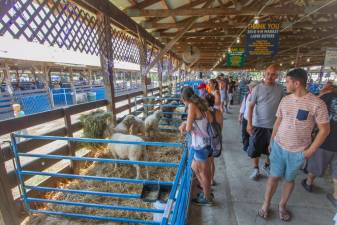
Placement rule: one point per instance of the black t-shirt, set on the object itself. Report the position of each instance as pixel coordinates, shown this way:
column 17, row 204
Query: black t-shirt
column 231, row 86
column 330, row 142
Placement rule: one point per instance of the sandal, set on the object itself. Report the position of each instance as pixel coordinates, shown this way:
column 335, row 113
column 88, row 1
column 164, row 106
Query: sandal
column 263, row 214
column 285, row 215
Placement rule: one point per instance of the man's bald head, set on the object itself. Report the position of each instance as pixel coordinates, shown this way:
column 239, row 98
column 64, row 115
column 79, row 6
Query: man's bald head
column 273, row 67
column 271, row 74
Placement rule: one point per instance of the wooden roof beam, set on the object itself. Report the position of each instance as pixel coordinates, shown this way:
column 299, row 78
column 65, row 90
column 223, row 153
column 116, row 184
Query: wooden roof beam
column 149, row 25
column 186, row 6
column 275, row 11
column 169, row 45
column 142, row 4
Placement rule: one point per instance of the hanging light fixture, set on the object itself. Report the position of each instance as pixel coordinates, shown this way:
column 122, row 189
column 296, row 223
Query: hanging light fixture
column 229, row 49
column 256, row 20
column 292, row 62
column 308, row 59
column 281, row 64
column 238, row 40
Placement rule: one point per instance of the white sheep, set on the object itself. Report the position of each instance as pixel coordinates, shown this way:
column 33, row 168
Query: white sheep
column 152, row 123
column 137, row 127
column 128, row 151
column 125, row 124
column 177, row 117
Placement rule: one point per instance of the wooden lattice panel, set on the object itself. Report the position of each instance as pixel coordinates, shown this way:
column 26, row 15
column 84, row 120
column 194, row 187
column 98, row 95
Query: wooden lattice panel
column 62, row 23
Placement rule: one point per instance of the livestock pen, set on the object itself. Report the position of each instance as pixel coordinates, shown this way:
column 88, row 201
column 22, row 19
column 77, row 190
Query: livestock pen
column 177, row 189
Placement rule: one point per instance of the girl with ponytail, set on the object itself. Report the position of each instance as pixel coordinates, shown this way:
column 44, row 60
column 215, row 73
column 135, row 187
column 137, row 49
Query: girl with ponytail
column 198, row 117
column 215, row 90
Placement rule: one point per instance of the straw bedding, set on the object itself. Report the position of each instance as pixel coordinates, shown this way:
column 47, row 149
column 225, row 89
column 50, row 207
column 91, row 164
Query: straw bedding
column 159, row 154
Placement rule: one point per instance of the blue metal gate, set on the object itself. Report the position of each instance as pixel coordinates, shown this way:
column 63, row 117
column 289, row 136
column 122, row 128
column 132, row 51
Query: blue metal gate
column 176, row 208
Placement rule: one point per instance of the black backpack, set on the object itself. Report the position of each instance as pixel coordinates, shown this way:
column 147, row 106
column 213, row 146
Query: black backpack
column 215, row 134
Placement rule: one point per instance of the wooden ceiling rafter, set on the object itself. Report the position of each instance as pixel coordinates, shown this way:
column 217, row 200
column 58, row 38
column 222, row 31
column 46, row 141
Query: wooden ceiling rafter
column 142, row 5
column 188, row 5
column 222, row 24
column 223, row 12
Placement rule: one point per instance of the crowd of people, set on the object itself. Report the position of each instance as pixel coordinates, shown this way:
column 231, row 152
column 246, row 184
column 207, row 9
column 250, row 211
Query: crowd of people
column 294, row 129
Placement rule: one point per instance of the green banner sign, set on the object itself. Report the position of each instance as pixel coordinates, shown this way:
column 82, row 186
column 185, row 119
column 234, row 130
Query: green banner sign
column 235, row 58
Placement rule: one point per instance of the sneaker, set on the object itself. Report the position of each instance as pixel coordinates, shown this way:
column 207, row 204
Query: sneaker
column 255, row 175
column 201, row 194
column 201, row 200
column 307, row 187
column 332, row 199
column 266, row 170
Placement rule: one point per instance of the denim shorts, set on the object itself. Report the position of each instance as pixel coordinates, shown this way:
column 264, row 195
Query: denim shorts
column 284, row 163
column 202, row 154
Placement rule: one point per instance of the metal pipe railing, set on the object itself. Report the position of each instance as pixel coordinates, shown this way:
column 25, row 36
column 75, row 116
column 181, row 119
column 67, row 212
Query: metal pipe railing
column 175, row 209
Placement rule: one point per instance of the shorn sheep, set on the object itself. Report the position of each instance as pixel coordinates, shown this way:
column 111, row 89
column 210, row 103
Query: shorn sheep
column 124, row 126
column 132, row 152
column 137, row 127
column 152, row 123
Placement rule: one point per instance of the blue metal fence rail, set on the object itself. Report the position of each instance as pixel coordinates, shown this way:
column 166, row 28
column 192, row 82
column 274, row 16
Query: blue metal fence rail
column 176, row 210
column 171, row 120
column 176, row 206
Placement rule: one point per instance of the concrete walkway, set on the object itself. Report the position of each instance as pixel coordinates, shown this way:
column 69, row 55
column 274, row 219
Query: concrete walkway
column 238, row 198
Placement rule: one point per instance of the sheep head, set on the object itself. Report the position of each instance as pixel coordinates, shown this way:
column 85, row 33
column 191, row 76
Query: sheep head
column 129, row 120
column 158, row 114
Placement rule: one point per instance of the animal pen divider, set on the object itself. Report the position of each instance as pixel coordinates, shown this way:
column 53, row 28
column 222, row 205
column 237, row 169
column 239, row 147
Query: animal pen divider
column 171, row 118
column 177, row 202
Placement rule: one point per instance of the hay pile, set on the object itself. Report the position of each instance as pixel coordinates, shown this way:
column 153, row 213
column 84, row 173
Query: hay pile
column 159, row 154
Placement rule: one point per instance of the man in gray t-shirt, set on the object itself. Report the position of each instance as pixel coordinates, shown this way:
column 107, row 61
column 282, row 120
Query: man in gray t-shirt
column 261, row 117
column 266, row 99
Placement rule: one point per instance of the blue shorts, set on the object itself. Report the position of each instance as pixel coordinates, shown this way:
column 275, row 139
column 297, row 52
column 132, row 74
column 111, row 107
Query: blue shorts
column 202, row 154
column 284, row 163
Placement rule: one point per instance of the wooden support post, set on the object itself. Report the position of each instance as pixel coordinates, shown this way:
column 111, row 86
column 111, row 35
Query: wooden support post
column 71, row 145
column 91, row 77
column 34, row 75
column 7, row 77
column 107, row 63
column 160, row 77
column 47, row 81
column 143, row 60
column 48, row 71
column 8, row 210
column 17, row 78
column 129, row 102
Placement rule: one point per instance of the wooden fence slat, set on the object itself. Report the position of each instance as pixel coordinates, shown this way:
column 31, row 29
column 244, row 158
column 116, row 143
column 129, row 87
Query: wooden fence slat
column 11, row 125
column 37, row 165
column 70, row 144
column 76, row 126
column 27, row 146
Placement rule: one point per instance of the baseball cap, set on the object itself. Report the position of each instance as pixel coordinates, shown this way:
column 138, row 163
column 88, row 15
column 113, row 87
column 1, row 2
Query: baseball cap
column 202, row 86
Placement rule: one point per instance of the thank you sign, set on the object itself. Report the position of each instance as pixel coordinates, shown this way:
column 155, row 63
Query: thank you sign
column 262, row 39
